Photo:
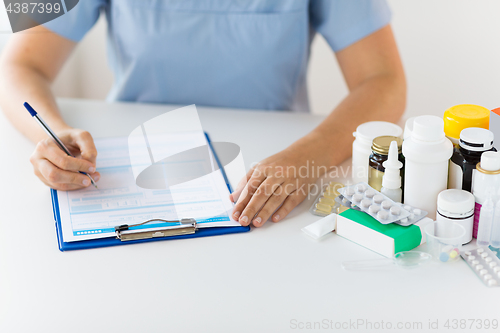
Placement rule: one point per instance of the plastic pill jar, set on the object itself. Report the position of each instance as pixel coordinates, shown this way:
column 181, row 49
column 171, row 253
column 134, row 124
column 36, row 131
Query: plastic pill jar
column 457, row 206
column 361, row 147
column 463, row 116
column 380, row 153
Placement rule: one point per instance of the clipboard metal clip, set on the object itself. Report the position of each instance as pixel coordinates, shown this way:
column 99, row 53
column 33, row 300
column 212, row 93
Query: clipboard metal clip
column 127, row 232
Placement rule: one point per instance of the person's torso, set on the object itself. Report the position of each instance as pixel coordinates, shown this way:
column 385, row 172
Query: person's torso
column 227, row 53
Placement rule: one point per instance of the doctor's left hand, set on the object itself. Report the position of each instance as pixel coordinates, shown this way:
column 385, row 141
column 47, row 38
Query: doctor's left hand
column 276, row 185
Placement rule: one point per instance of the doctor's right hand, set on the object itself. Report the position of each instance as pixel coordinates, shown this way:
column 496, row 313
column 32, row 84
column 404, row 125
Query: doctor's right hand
column 60, row 171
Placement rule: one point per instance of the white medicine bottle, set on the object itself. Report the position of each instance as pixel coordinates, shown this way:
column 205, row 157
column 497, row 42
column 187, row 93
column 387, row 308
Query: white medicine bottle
column 426, row 152
column 486, row 179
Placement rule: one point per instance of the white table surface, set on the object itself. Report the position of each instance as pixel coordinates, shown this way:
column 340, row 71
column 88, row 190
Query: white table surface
column 267, row 280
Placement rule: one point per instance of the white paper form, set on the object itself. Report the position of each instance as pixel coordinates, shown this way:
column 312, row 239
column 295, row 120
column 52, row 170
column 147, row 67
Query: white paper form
column 93, row 213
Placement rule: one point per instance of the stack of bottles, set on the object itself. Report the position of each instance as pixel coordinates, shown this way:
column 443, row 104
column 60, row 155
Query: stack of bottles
column 446, row 166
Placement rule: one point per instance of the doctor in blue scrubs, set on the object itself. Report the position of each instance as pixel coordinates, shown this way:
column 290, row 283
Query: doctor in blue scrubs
column 224, row 53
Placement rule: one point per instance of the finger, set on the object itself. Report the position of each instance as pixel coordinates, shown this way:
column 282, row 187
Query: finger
column 260, row 197
column 61, row 187
column 50, row 151
column 274, row 202
column 53, row 175
column 245, row 197
column 241, row 185
column 85, row 143
column 95, row 176
column 290, row 203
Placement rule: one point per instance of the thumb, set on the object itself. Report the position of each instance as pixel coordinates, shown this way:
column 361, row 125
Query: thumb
column 241, row 185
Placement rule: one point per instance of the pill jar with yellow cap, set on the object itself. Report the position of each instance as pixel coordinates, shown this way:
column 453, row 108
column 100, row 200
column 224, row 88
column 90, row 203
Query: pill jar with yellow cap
column 380, row 154
column 463, row 116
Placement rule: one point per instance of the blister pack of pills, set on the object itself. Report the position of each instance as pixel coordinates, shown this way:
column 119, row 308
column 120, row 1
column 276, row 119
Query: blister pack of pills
column 325, row 203
column 343, row 201
column 374, row 203
column 485, row 264
column 416, row 215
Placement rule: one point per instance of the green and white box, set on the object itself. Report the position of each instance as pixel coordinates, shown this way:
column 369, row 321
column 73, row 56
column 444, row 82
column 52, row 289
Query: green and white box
column 385, row 239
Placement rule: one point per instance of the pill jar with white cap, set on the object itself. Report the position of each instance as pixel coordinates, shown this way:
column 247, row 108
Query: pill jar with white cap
column 486, row 178
column 457, row 206
column 474, row 141
column 408, row 127
column 426, row 153
column 361, row 147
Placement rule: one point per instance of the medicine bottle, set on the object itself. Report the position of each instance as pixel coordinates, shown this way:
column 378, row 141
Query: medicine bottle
column 474, row 141
column 486, row 177
column 495, row 122
column 457, row 206
column 361, row 147
column 463, row 116
column 380, row 154
column 427, row 152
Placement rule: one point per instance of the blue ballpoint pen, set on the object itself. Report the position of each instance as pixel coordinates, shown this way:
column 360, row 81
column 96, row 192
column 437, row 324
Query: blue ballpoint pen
column 53, row 136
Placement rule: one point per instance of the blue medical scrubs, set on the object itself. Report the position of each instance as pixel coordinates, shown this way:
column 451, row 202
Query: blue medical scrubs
column 225, row 53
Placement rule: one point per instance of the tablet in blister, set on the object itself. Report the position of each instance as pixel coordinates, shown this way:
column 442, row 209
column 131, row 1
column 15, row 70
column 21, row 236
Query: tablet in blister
column 325, row 203
column 374, row 203
column 416, row 215
column 484, row 264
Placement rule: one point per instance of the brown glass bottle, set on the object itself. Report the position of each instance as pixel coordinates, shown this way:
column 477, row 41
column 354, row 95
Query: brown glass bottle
column 380, row 153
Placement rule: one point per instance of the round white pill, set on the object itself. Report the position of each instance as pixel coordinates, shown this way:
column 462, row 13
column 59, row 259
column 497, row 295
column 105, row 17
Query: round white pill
column 386, row 204
column 488, row 276
column 479, row 267
column 467, row 253
column 407, row 208
column 360, row 188
column 483, row 271
column 484, row 254
column 417, row 211
column 488, row 259
column 357, row 198
column 411, row 216
column 378, row 199
column 481, row 250
column 492, row 283
column 374, row 209
column 382, row 215
column 475, row 262
column 493, row 264
column 370, row 193
column 496, row 269
column 395, row 210
column 349, row 191
column 471, row 258
column 365, row 203
column 404, row 221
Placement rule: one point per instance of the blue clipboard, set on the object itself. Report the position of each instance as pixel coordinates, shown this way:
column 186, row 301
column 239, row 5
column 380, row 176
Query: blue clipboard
column 111, row 241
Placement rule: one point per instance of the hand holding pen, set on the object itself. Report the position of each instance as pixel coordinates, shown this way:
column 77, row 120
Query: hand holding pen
column 55, row 164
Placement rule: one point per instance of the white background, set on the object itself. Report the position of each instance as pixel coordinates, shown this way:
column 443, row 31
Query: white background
column 450, row 49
